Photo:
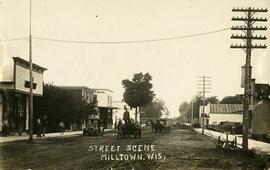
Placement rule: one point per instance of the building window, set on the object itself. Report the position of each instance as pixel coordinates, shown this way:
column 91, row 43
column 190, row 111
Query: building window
column 27, row 84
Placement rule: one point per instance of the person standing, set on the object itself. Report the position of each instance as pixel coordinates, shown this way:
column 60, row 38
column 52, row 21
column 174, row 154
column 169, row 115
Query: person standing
column 20, row 124
column 126, row 117
column 5, row 128
column 61, row 128
column 38, row 127
column 44, row 122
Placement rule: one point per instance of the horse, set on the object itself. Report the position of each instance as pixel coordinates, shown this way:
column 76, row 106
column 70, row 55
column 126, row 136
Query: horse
column 154, row 126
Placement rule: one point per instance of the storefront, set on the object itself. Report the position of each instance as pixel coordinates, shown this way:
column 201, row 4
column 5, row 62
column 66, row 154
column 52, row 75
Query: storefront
column 106, row 116
column 14, row 95
column 104, row 98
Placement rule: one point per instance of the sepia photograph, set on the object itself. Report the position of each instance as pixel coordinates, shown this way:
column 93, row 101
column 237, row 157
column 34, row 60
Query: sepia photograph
column 134, row 84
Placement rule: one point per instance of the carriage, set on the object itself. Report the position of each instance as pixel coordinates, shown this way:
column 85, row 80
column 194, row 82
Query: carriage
column 160, row 125
column 125, row 130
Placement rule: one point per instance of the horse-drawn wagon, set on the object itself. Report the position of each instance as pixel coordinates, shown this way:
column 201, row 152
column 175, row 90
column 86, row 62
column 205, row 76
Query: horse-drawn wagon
column 125, row 130
column 160, row 125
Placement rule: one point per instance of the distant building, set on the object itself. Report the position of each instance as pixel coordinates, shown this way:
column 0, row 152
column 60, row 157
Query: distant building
column 105, row 98
column 119, row 110
column 81, row 94
column 216, row 113
column 14, row 93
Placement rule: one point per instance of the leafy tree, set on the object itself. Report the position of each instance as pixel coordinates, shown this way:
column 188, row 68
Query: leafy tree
column 184, row 110
column 185, row 107
column 196, row 106
column 156, row 109
column 49, row 105
column 138, row 91
column 212, row 100
column 261, row 91
column 231, row 100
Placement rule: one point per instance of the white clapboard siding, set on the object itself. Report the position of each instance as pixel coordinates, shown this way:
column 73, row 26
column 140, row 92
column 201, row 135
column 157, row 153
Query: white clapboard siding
column 22, row 75
column 222, row 117
column 104, row 97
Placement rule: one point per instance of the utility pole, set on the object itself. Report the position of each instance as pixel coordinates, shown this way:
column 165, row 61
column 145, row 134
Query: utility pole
column 31, row 76
column 191, row 116
column 204, row 88
column 248, row 36
column 192, row 108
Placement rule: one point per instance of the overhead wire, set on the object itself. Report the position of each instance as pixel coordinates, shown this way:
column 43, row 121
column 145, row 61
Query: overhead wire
column 132, row 41
column 14, row 39
column 120, row 42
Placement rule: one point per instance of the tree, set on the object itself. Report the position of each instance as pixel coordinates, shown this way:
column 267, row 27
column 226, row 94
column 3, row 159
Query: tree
column 211, row 100
column 184, row 110
column 185, row 107
column 50, row 105
column 156, row 109
column 138, row 91
column 231, row 100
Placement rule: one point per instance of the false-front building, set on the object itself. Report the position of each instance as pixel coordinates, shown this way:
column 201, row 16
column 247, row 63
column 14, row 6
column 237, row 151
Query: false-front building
column 14, row 93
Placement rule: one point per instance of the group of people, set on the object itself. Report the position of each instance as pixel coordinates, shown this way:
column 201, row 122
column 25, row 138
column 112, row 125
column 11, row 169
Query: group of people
column 41, row 124
column 126, row 118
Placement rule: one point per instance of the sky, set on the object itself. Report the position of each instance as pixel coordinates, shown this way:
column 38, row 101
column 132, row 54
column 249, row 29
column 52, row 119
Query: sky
column 174, row 64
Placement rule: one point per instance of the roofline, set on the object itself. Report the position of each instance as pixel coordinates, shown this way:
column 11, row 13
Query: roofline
column 28, row 64
column 222, row 104
column 102, row 89
column 74, row 87
column 234, row 112
column 218, row 104
column 261, row 84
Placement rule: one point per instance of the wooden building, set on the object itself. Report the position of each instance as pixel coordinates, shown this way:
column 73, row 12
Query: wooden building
column 82, row 95
column 104, row 98
column 14, row 94
column 216, row 113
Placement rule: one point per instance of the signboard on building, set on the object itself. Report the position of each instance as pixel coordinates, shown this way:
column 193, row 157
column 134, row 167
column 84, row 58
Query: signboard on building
column 22, row 77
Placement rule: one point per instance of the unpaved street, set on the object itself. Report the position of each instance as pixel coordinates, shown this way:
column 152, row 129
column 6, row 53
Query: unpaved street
column 182, row 149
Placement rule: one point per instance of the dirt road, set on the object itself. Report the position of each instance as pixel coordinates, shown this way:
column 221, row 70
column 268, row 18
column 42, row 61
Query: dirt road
column 181, row 149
